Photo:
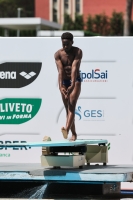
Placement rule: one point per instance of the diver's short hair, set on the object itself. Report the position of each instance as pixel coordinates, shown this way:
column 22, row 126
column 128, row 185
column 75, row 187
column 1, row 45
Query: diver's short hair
column 67, row 35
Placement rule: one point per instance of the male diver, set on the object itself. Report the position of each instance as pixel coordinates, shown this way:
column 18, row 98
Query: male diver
column 68, row 61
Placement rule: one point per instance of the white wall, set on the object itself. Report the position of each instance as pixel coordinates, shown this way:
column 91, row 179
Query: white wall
column 109, row 100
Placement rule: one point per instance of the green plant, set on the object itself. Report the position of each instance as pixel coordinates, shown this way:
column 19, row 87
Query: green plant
column 89, row 33
column 98, row 24
column 116, row 24
column 78, row 23
column 131, row 29
column 89, row 23
column 68, row 23
column 8, row 8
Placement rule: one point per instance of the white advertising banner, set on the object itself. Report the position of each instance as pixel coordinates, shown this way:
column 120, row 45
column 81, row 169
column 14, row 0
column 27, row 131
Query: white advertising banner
column 30, row 102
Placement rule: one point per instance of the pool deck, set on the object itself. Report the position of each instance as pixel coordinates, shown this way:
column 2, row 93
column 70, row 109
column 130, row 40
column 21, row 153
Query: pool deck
column 93, row 173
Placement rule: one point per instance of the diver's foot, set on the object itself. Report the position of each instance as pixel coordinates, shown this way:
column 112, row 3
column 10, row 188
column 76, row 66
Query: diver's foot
column 64, row 132
column 73, row 138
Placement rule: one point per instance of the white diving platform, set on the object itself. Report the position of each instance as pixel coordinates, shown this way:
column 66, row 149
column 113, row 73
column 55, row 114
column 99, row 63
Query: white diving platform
column 110, row 177
column 92, row 173
column 75, row 168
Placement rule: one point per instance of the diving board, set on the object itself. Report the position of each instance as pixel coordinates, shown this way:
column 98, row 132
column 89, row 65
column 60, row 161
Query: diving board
column 74, row 153
column 62, row 143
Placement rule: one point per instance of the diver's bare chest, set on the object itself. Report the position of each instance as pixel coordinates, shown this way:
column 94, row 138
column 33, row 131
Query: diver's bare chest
column 67, row 60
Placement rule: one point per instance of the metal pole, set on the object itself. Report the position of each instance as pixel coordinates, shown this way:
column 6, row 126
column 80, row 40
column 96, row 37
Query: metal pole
column 6, row 33
column 19, row 12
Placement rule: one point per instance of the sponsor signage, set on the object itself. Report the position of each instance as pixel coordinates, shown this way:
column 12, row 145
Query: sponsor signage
column 89, row 114
column 18, row 74
column 14, row 142
column 7, row 155
column 18, row 110
column 95, row 75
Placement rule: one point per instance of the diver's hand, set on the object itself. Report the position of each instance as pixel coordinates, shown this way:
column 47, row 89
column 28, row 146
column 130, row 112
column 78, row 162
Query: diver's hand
column 69, row 90
column 63, row 91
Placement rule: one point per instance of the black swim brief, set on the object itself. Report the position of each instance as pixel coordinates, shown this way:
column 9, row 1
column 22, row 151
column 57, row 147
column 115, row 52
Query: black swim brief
column 67, row 83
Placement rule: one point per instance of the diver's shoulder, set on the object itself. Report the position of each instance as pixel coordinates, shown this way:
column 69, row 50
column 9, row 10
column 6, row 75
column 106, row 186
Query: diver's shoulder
column 77, row 51
column 58, row 53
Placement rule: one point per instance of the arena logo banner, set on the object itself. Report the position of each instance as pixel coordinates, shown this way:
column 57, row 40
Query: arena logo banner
column 18, row 110
column 18, row 74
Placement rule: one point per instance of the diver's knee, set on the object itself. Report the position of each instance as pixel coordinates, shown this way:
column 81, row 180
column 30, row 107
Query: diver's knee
column 71, row 108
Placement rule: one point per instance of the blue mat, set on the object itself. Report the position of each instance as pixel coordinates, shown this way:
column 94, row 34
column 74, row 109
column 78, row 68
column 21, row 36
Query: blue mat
column 55, row 143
